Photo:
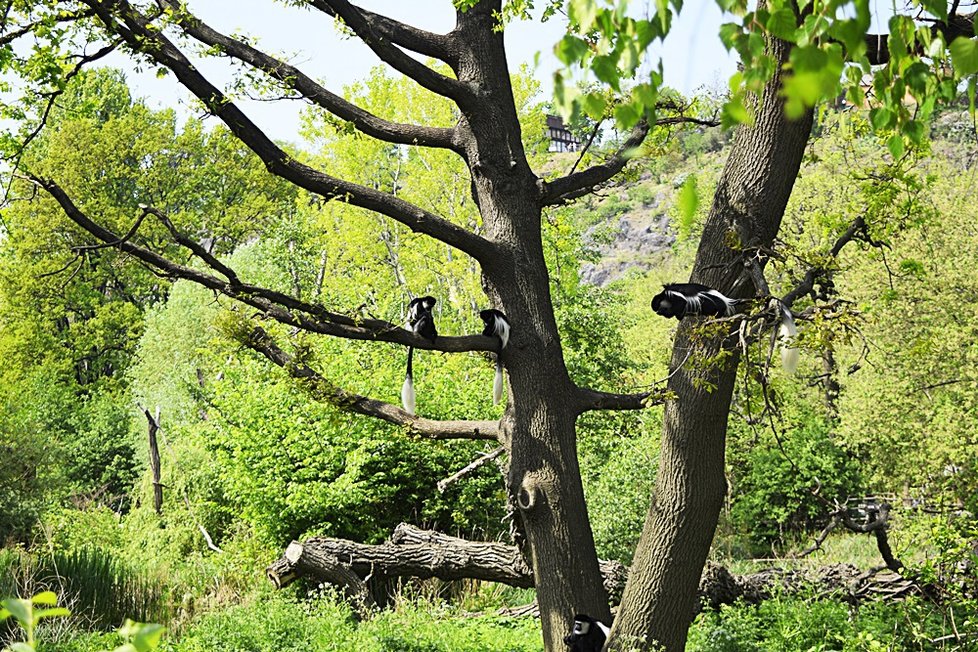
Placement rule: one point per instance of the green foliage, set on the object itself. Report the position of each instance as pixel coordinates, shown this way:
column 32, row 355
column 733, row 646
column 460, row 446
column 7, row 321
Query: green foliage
column 138, row 637
column 279, row 624
column 808, row 625
column 102, row 589
column 774, row 481
column 23, row 611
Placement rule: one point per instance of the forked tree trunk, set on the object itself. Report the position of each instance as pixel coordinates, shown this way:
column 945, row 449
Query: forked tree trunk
column 659, row 601
column 543, row 479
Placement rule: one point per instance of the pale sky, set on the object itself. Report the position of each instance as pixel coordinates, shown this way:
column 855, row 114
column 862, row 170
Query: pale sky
column 692, row 55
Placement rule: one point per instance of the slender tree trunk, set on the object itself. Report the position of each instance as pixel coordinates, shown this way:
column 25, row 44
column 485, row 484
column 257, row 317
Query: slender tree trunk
column 659, row 600
column 154, row 459
column 543, row 479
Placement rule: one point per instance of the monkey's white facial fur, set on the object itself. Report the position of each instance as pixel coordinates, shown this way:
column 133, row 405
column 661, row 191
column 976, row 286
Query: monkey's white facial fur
column 581, row 628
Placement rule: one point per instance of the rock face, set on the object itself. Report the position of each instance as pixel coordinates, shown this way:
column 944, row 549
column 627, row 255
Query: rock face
column 634, row 239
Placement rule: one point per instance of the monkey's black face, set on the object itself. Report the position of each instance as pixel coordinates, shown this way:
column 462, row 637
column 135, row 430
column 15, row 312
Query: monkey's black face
column 668, row 305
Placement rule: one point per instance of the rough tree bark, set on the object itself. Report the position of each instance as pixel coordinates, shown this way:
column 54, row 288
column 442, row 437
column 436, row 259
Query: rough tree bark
column 413, row 553
column 658, row 604
column 153, row 427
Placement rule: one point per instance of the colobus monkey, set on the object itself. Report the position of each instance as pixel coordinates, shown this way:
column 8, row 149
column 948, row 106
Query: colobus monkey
column 684, row 299
column 689, row 299
column 496, row 325
column 421, row 321
column 588, row 635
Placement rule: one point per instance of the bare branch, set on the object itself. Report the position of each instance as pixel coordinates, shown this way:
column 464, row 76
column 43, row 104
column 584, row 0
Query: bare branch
column 423, row 42
column 140, row 37
column 322, row 390
column 584, row 182
column 356, row 19
column 11, row 36
column 83, row 60
column 807, row 284
column 275, row 305
column 479, row 462
column 292, row 77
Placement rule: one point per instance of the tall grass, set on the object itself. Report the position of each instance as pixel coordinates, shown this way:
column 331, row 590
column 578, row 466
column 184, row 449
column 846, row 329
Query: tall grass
column 102, row 590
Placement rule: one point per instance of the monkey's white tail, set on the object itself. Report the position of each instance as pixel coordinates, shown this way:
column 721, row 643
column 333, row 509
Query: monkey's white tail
column 497, row 384
column 407, row 389
column 789, row 354
column 407, row 395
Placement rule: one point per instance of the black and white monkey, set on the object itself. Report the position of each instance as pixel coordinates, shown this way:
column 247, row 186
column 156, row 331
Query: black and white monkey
column 686, row 299
column 496, row 325
column 421, row 321
column 588, row 635
column 691, row 299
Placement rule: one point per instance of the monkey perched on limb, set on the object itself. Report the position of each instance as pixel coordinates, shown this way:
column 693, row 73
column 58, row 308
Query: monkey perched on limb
column 496, row 326
column 693, row 299
column 420, row 321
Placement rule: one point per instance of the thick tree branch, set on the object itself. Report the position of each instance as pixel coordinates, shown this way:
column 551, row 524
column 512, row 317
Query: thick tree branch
column 584, row 182
column 412, row 552
column 322, row 390
column 423, row 42
column 590, row 399
column 140, row 37
column 292, row 77
column 355, row 18
column 275, row 305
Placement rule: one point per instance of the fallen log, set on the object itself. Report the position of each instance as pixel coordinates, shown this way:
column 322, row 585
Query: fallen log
column 364, row 571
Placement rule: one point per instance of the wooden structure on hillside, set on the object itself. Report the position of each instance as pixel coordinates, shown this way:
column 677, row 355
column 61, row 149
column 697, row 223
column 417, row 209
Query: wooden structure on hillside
column 561, row 138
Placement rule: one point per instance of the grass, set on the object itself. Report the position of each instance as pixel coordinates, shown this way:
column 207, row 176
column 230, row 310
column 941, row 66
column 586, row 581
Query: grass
column 100, row 590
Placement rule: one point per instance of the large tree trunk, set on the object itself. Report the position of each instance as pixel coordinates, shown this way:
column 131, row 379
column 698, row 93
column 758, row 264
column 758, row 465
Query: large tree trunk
column 543, row 479
column 661, row 593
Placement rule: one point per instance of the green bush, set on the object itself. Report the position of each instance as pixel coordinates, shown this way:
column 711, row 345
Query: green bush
column 773, row 486
column 799, row 625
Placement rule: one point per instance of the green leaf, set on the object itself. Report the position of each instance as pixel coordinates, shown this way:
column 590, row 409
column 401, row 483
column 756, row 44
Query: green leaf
column 144, row 637
column 19, row 646
column 626, row 115
column 729, row 32
column 895, row 144
column 606, row 69
column 48, row 598
column 810, row 58
column 688, row 200
column 937, row 8
column 50, row 613
column 734, row 113
column 882, row 118
column 914, row 130
column 783, row 23
column 582, row 13
column 594, row 105
column 964, row 56
column 571, row 49
column 21, row 610
column 736, row 7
